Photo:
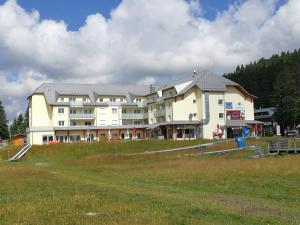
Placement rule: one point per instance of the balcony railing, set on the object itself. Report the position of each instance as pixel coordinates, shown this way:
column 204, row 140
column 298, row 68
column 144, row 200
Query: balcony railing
column 82, row 116
column 76, row 104
column 134, row 116
column 142, row 104
column 160, row 112
column 114, row 103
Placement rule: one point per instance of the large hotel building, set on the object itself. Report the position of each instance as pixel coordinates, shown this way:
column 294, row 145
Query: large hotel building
column 190, row 108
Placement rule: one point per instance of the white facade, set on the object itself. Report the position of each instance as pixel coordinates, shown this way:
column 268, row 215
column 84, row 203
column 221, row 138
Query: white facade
column 180, row 111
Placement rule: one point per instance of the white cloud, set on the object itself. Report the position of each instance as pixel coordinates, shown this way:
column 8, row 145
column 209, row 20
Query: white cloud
column 142, row 42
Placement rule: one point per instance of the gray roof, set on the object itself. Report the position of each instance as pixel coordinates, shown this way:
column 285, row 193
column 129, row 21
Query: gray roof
column 205, row 80
column 209, row 81
column 53, row 90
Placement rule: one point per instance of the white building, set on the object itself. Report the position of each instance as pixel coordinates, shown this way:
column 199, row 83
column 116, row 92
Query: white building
column 190, row 108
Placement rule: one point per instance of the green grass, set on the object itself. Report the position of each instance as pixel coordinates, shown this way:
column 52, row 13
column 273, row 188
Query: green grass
column 59, row 184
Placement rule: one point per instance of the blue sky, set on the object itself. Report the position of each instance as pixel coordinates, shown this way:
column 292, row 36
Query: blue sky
column 74, row 12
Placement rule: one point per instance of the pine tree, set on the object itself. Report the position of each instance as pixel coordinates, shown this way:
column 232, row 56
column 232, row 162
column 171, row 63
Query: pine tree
column 20, row 122
column 26, row 118
column 4, row 134
column 13, row 127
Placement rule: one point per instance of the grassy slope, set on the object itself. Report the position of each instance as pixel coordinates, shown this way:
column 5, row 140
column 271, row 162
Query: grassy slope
column 58, row 184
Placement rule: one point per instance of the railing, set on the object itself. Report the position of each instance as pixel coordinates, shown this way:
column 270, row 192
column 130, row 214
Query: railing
column 76, row 104
column 169, row 95
column 134, row 116
column 142, row 104
column 151, row 100
column 160, row 99
column 82, row 116
column 160, row 112
column 114, row 103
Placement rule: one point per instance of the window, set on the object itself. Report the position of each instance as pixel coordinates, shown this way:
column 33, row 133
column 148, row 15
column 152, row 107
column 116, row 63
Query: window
column 195, row 114
column 137, row 122
column 61, row 123
column 221, row 115
column 61, row 110
column 74, row 138
column 72, row 123
column 194, row 101
column 114, row 110
column 72, row 99
column 137, row 111
column 220, row 101
column 151, row 109
column 62, row 138
column 189, row 133
column 112, row 99
column 87, row 123
column 72, row 111
column 114, row 122
column 47, row 138
column 124, row 111
column 114, row 134
column 84, row 99
column 100, row 99
column 62, row 99
column 138, row 100
column 87, row 111
column 169, row 116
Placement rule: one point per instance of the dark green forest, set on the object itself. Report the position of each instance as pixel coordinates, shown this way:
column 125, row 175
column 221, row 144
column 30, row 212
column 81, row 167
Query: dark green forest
column 276, row 83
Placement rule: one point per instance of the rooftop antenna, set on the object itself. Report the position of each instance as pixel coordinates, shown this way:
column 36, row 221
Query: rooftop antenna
column 151, row 88
column 194, row 73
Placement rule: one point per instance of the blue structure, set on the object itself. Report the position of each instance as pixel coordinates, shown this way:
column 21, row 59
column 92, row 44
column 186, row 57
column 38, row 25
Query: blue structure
column 240, row 142
column 246, row 132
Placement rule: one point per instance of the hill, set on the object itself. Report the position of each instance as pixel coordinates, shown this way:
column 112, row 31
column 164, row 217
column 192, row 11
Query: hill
column 99, row 183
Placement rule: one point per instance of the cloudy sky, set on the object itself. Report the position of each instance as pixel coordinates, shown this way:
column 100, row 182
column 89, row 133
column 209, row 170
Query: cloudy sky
column 134, row 41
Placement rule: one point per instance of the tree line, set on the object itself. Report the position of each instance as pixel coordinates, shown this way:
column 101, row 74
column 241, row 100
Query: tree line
column 276, row 83
column 19, row 125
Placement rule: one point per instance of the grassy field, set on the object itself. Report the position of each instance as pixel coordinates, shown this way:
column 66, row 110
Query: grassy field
column 100, row 183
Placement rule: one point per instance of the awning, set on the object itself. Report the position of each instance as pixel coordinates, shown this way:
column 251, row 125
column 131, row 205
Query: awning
column 241, row 123
column 152, row 126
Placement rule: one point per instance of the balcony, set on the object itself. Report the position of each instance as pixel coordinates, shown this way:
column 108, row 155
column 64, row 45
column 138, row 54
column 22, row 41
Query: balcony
column 142, row 104
column 76, row 104
column 82, row 116
column 160, row 112
column 114, row 103
column 134, row 116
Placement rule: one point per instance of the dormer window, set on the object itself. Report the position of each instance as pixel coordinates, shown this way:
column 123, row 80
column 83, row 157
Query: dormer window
column 61, row 99
column 84, row 99
column 100, row 99
column 112, row 100
column 72, row 99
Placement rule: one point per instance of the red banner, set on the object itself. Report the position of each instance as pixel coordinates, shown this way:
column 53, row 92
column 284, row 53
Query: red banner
column 235, row 115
